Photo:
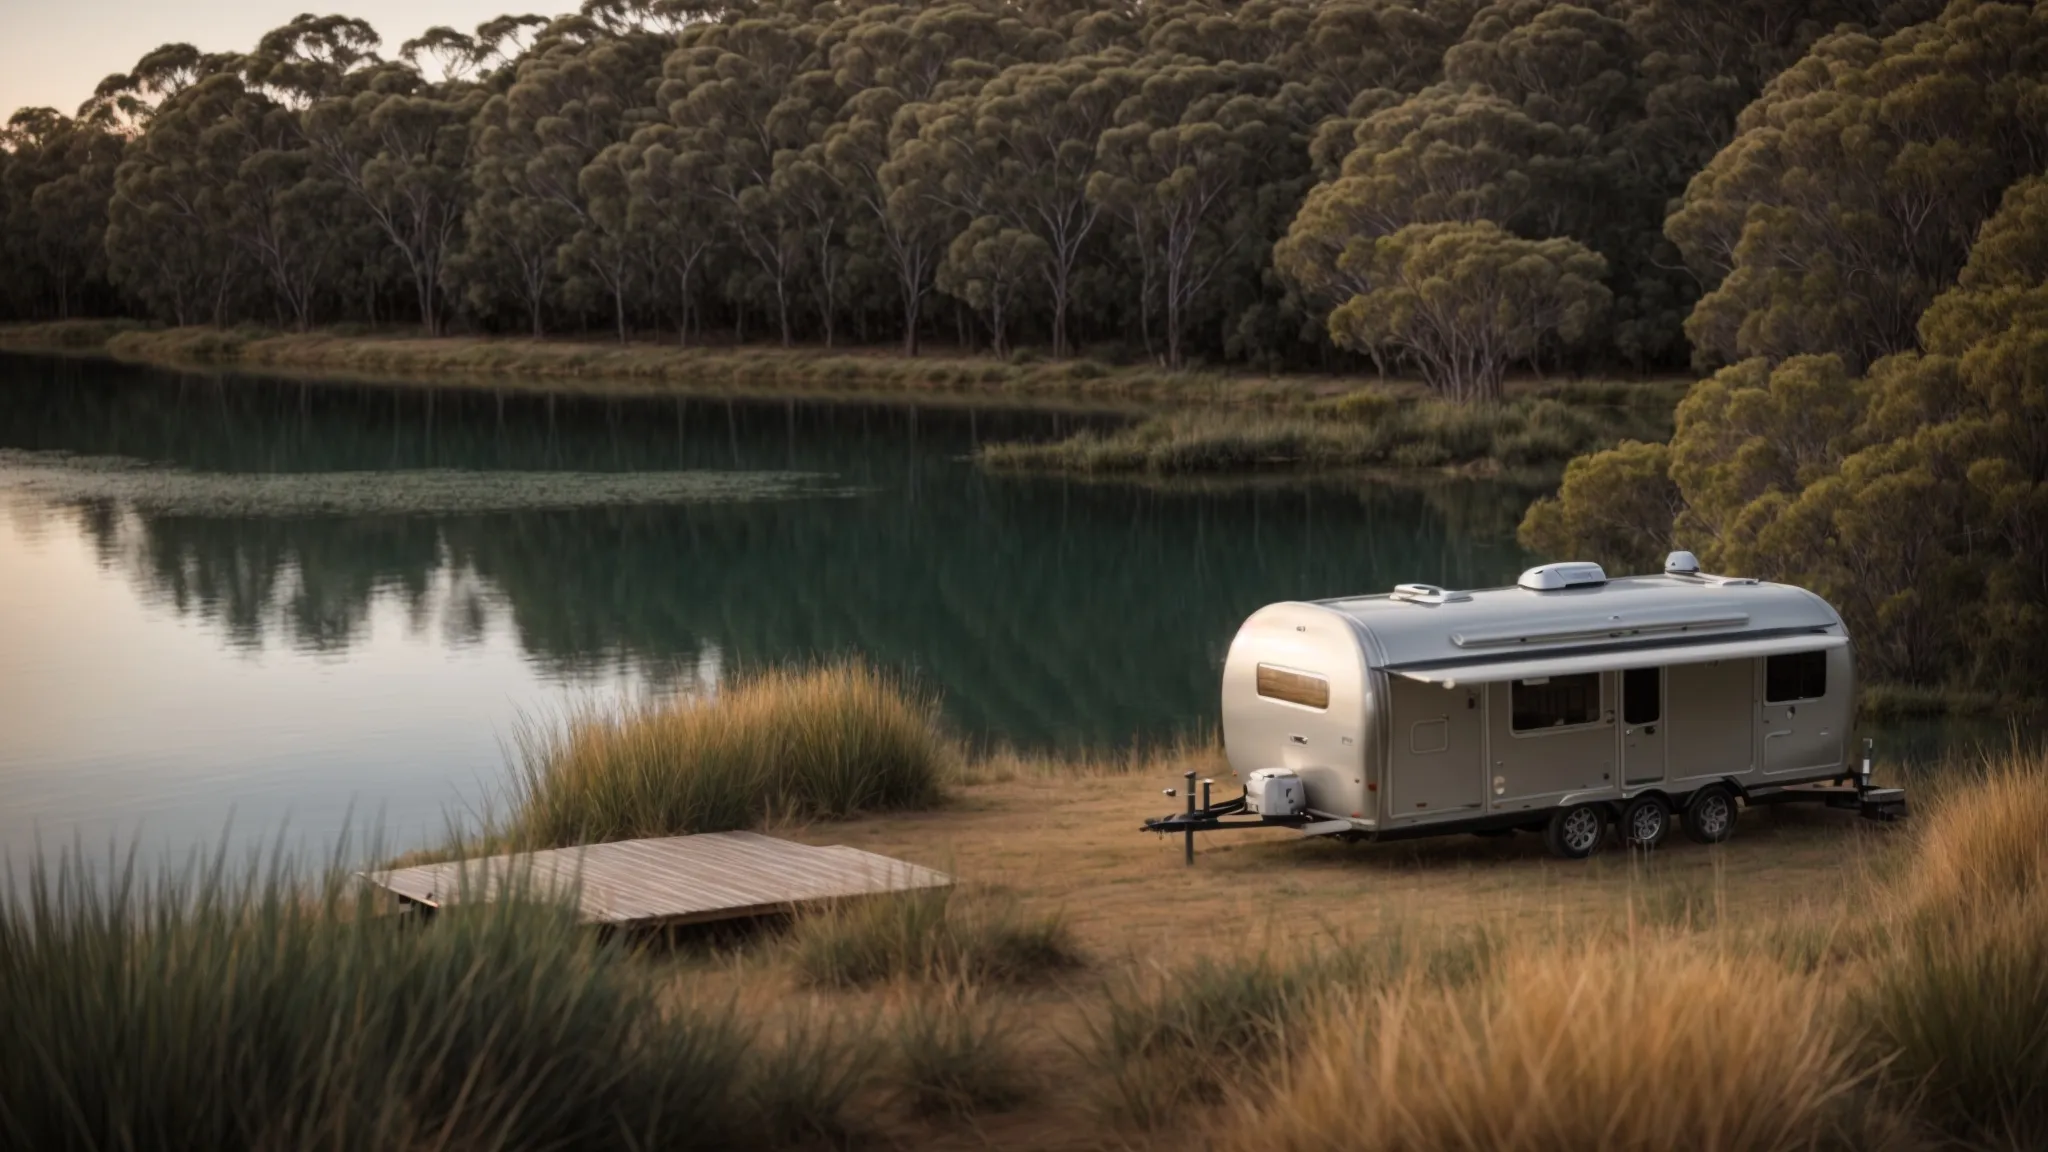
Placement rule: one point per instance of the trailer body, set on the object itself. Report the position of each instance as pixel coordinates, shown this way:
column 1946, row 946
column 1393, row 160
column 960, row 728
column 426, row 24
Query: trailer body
column 1429, row 711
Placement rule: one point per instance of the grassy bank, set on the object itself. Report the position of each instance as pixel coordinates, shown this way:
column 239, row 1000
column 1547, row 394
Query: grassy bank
column 648, row 366
column 1544, row 1007
column 1304, row 421
column 1818, row 982
column 1542, row 428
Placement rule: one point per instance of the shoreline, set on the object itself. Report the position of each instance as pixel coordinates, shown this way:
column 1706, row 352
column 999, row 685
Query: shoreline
column 565, row 364
column 1222, row 424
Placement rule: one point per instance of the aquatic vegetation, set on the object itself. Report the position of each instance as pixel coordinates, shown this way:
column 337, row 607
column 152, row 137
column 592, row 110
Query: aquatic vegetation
column 63, row 478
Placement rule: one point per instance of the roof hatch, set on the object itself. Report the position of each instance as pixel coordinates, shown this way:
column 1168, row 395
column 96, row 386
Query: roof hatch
column 1554, row 577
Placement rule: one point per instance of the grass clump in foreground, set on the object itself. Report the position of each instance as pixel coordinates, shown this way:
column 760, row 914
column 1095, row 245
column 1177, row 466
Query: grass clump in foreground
column 1959, row 1007
column 213, row 1009
column 932, row 933
column 956, row 1054
column 1183, row 1037
column 1363, row 430
column 823, row 742
column 1636, row 1045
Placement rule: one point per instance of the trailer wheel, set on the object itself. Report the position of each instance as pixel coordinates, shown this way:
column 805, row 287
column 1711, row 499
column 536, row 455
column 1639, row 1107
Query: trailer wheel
column 1645, row 822
column 1710, row 815
column 1575, row 832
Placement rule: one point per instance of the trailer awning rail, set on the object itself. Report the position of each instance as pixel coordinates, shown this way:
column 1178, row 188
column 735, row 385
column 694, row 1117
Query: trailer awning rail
column 1613, row 659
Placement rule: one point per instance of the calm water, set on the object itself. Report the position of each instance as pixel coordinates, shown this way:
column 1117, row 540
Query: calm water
column 280, row 603
column 252, row 605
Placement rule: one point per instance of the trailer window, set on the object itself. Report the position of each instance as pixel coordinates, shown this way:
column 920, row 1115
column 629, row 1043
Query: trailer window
column 1798, row 676
column 1641, row 695
column 1305, row 689
column 1556, row 701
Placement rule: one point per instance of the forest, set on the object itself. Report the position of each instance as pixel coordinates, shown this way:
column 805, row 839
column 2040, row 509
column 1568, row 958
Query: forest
column 1836, row 210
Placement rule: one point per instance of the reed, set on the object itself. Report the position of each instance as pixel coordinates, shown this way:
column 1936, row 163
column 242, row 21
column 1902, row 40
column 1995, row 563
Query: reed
column 1364, row 430
column 217, row 1008
column 931, row 934
column 1633, row 1045
column 826, row 741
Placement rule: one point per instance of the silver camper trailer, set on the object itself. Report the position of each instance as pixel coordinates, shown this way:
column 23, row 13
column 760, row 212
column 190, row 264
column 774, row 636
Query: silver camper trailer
column 1563, row 705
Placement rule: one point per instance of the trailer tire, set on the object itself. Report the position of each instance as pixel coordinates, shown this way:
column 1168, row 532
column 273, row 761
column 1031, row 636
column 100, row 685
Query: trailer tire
column 1710, row 815
column 1645, row 822
column 1574, row 833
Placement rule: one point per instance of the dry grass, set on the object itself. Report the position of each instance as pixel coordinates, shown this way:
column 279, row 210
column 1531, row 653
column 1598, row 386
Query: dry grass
column 1957, row 1008
column 957, row 1053
column 931, row 934
column 788, row 744
column 1644, row 1044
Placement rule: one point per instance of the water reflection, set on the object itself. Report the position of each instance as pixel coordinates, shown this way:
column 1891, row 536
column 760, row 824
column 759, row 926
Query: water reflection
column 1045, row 611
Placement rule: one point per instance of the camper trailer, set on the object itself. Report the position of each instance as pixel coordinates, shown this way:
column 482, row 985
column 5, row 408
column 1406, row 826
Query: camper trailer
column 1566, row 705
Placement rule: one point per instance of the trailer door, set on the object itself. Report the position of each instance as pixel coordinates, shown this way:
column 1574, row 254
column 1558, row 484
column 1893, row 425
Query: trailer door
column 1642, row 725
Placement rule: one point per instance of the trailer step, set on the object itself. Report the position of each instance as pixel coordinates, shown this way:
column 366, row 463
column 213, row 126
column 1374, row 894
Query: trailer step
column 1871, row 803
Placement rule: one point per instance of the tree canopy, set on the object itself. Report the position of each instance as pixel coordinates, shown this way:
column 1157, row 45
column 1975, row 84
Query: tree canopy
column 1177, row 182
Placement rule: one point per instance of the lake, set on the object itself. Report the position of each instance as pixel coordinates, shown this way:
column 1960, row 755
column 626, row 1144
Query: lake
column 241, row 605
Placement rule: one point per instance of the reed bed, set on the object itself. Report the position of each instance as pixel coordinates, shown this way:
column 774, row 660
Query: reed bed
column 826, row 742
column 262, row 1008
column 938, row 934
column 1366, row 430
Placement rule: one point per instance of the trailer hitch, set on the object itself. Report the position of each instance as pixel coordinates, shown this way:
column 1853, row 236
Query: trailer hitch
column 1213, row 817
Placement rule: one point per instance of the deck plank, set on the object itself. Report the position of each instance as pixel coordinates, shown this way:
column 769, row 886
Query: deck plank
column 670, row 879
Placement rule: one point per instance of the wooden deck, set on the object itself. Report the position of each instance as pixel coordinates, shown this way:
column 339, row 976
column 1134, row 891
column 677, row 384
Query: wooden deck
column 671, row 879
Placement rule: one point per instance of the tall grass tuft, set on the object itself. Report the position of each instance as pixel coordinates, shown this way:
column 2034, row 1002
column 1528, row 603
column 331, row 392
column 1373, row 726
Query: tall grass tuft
column 824, row 742
column 1958, row 1008
column 957, row 1054
column 931, row 933
column 1183, row 1037
column 215, row 1008
column 1634, row 1046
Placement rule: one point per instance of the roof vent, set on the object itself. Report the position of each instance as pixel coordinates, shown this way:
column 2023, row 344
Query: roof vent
column 1681, row 564
column 1427, row 594
column 1552, row 577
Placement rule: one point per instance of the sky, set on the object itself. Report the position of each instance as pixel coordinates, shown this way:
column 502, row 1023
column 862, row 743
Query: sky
column 54, row 52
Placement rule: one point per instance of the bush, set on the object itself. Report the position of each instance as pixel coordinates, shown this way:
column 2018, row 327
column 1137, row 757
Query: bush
column 826, row 742
column 218, row 1010
column 932, row 933
column 1659, row 1046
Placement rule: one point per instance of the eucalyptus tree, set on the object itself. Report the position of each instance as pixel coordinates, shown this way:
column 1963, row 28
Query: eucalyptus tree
column 748, row 95
column 1022, row 151
column 54, row 188
column 1856, row 184
column 1466, row 300
column 1182, row 148
column 576, row 92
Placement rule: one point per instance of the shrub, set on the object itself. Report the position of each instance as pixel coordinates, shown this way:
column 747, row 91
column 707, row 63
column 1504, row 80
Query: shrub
column 1657, row 1046
column 826, row 742
column 932, row 933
